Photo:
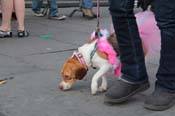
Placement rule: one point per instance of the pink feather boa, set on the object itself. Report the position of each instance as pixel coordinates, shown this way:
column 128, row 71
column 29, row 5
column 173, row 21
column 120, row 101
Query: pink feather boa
column 105, row 46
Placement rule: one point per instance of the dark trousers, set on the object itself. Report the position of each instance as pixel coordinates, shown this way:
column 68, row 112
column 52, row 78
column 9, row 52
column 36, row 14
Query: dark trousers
column 131, row 51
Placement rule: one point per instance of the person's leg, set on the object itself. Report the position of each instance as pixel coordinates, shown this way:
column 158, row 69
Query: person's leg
column 20, row 14
column 132, row 57
column 7, row 7
column 36, row 5
column 164, row 95
column 165, row 16
column 5, row 29
column 134, row 76
column 53, row 8
column 53, row 12
column 87, row 4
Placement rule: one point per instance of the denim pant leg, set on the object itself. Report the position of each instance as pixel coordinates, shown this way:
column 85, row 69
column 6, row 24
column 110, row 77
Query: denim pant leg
column 36, row 5
column 53, row 8
column 87, row 4
column 165, row 16
column 131, row 51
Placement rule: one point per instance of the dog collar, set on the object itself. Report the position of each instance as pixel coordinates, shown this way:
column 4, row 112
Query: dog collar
column 80, row 58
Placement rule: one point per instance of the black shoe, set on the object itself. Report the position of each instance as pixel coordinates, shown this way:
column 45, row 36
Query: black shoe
column 122, row 91
column 38, row 13
column 23, row 34
column 159, row 100
column 5, row 34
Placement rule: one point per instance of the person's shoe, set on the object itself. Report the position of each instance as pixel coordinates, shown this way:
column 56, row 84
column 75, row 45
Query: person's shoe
column 23, row 34
column 88, row 13
column 122, row 91
column 5, row 34
column 38, row 13
column 159, row 100
column 59, row 17
column 95, row 16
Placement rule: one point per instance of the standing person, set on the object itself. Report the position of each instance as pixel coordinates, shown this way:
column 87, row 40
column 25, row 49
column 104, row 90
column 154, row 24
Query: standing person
column 135, row 78
column 7, row 9
column 87, row 6
column 53, row 12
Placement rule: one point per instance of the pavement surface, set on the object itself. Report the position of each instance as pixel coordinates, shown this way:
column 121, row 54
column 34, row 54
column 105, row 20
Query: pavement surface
column 35, row 63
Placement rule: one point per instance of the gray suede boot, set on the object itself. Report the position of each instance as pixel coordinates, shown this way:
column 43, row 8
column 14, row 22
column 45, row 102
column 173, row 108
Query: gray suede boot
column 122, row 91
column 159, row 100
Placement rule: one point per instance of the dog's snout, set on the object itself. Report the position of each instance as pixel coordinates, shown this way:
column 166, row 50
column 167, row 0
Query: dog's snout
column 61, row 87
column 64, row 86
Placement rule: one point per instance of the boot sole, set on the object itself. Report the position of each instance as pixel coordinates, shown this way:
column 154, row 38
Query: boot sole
column 158, row 108
column 123, row 99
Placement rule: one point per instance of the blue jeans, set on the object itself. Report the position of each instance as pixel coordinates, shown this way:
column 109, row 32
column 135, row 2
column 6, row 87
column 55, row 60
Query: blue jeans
column 87, row 4
column 131, row 51
column 36, row 6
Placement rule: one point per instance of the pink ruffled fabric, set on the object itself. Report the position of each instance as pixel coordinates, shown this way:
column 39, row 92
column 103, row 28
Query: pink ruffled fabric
column 105, row 46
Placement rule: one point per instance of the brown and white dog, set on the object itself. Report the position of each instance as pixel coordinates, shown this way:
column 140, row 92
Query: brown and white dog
column 76, row 67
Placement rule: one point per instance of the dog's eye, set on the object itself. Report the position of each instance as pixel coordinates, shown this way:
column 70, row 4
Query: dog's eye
column 67, row 77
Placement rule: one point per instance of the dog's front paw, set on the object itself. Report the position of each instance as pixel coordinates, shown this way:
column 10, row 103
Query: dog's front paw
column 94, row 87
column 94, row 91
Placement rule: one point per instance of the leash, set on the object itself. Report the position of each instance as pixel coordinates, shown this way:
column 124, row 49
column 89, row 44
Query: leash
column 97, row 33
column 97, row 30
column 93, row 52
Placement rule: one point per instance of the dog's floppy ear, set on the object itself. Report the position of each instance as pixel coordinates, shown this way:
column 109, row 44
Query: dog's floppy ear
column 80, row 73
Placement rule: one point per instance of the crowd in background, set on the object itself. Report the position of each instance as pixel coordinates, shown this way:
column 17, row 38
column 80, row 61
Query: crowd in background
column 16, row 9
column 7, row 7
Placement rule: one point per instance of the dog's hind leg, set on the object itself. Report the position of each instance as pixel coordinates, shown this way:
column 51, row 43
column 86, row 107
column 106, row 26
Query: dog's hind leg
column 95, row 78
column 103, row 86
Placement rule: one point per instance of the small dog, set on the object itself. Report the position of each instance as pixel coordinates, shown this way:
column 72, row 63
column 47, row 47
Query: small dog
column 76, row 67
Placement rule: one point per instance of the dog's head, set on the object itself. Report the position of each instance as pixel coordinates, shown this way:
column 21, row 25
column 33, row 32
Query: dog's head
column 72, row 70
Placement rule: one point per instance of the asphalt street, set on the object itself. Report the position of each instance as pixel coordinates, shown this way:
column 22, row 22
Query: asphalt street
column 33, row 67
